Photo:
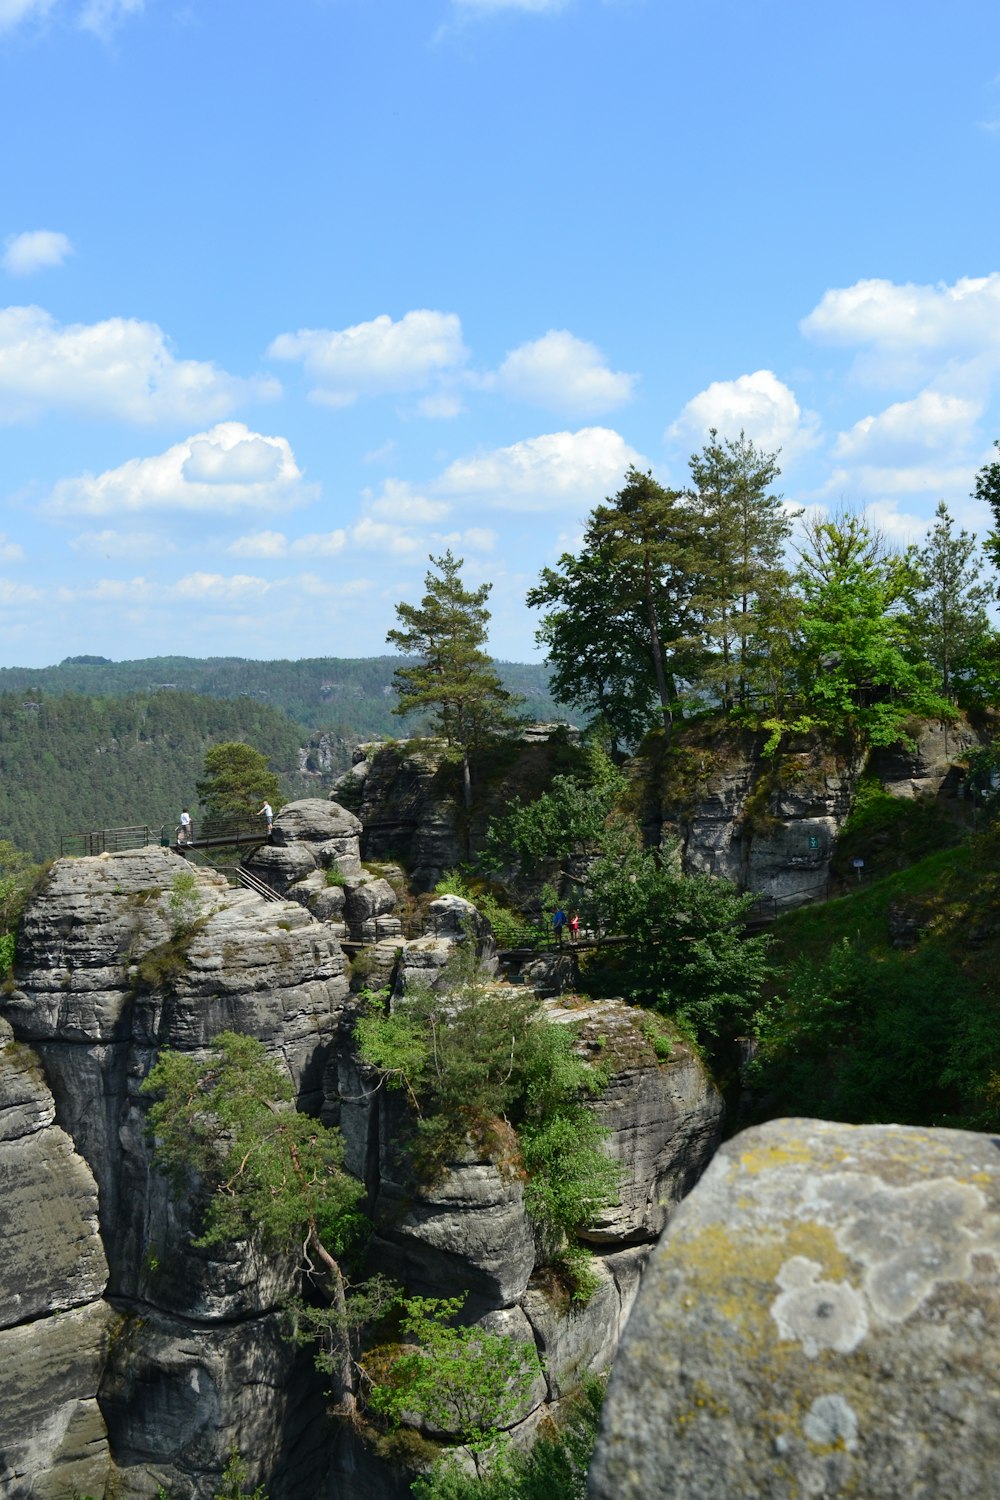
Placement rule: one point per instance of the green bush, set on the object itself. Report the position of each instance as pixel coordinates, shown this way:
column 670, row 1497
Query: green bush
column 481, row 1062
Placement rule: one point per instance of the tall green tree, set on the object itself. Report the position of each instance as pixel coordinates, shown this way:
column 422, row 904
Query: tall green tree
column 743, row 530
column 856, row 669
column 947, row 603
column 237, row 780
column 596, row 640
column 454, row 679
column 647, row 529
column 619, row 627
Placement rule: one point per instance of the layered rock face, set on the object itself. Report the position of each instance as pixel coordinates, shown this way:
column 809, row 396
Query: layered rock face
column 104, row 982
column 821, row 1317
column 54, row 1323
column 770, row 826
column 130, row 1350
column 469, row 1232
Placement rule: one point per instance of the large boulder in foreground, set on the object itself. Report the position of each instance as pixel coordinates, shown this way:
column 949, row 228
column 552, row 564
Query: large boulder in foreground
column 821, row 1317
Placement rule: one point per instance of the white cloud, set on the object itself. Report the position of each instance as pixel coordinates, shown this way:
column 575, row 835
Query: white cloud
column 931, row 421
column 227, row 469
column 398, row 502
column 890, row 316
column 476, row 538
column 441, row 406
column 35, row 250
column 218, row 588
column 381, row 536
column 276, row 544
column 102, row 16
column 12, row 12
column 120, row 368
column 760, row 405
column 10, row 551
column 867, row 480
column 99, row 16
column 547, row 472
column 565, row 374
column 18, row 593
column 377, row 357
column 110, row 543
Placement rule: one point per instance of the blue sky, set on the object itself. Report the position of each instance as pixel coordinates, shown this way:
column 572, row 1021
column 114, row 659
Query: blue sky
column 293, row 295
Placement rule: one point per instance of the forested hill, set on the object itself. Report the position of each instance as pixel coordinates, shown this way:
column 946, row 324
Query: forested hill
column 352, row 697
column 72, row 762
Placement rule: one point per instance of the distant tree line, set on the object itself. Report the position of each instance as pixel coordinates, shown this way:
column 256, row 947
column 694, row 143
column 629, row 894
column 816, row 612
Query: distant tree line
column 73, row 763
column 350, row 698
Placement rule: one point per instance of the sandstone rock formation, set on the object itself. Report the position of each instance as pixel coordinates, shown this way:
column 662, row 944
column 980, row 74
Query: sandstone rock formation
column 821, row 1317
column 106, row 977
column 170, row 1354
column 54, row 1323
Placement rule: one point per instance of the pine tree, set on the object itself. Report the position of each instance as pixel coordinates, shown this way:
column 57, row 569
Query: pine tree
column 947, row 603
column 743, row 530
column 455, row 679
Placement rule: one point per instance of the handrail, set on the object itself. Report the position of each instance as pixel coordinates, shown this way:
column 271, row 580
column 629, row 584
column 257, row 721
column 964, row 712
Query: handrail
column 106, row 840
column 252, row 883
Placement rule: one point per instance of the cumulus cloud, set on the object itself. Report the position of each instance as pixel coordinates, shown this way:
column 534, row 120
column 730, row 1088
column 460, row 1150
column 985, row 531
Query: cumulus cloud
column 441, row 406
column 383, row 536
column 760, row 405
column 883, row 313
column 219, row 587
column 120, row 368
column 276, row 544
column 908, row 331
column 474, row 538
column 375, row 358
column 565, row 374
column 399, row 502
column 931, row 421
column 110, row 543
column 869, row 480
column 555, row 470
column 12, row 593
column 35, row 250
column 227, row 469
column 10, row 551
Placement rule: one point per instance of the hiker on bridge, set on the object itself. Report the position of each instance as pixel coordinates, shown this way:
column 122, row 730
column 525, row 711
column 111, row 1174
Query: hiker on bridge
column 558, row 924
column 267, row 812
column 185, row 828
column 574, row 927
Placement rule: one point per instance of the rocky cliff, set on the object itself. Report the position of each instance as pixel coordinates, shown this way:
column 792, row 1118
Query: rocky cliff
column 131, row 1357
column 769, row 824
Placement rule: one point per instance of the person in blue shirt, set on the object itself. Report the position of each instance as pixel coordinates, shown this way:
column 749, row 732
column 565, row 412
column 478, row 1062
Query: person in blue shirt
column 559, row 924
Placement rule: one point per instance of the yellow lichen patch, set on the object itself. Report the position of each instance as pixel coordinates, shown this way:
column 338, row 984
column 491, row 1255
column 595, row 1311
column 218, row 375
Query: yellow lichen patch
column 730, row 1271
column 766, row 1158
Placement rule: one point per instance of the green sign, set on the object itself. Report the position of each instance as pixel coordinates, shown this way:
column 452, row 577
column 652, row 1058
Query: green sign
column 814, row 841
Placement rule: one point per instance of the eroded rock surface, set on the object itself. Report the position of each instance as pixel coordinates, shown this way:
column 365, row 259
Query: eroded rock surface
column 821, row 1317
column 54, row 1323
column 118, row 959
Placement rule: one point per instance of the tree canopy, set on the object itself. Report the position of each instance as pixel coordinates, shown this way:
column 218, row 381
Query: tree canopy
column 237, row 781
column 454, row 680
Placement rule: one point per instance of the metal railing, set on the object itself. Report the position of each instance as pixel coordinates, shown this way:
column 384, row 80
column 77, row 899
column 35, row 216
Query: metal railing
column 107, row 840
